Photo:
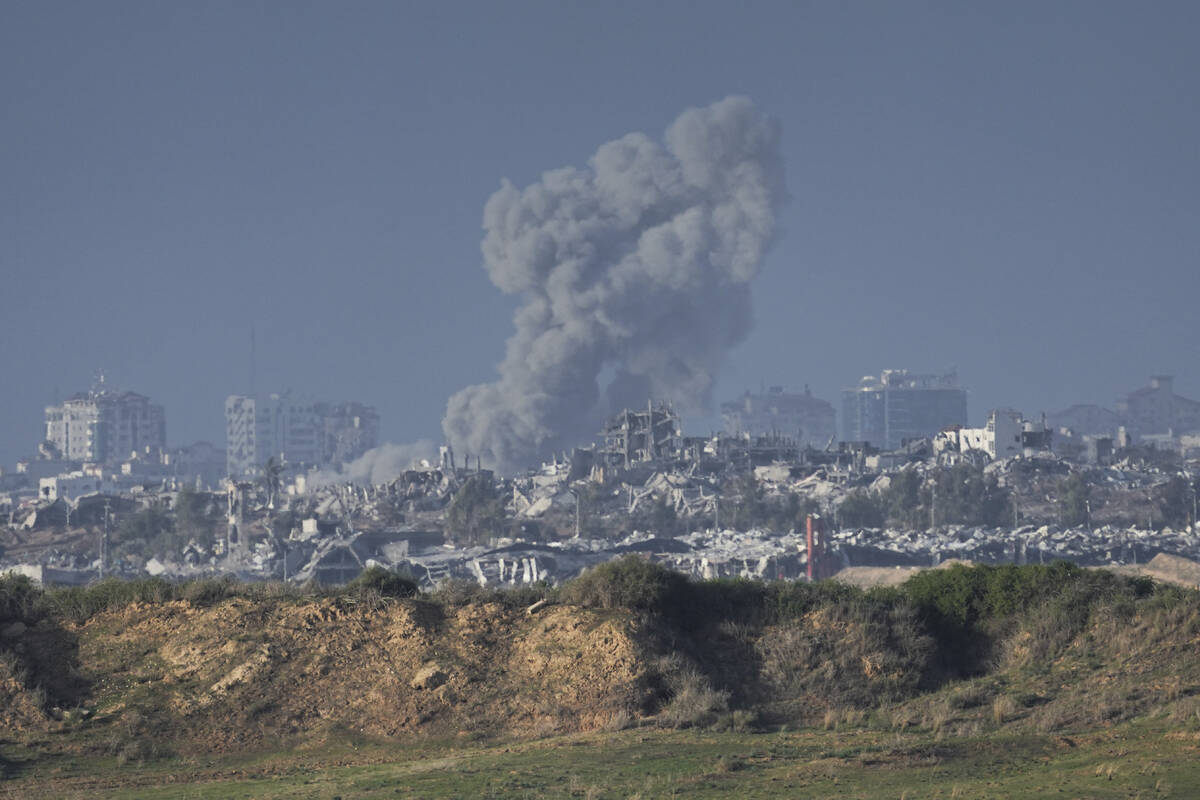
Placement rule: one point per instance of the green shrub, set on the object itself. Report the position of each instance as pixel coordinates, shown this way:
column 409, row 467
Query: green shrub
column 693, row 701
column 631, row 583
column 80, row 603
column 385, row 582
column 209, row 591
column 455, row 592
column 20, row 598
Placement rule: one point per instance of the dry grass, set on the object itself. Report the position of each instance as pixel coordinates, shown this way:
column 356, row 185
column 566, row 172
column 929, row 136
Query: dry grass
column 1003, row 709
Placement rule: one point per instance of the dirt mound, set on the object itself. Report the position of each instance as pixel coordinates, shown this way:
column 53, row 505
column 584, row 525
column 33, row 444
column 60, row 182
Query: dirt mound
column 866, row 577
column 1173, row 569
column 230, row 675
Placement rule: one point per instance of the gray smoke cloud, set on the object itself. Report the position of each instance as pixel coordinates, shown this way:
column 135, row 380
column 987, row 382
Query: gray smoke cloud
column 378, row 465
column 634, row 274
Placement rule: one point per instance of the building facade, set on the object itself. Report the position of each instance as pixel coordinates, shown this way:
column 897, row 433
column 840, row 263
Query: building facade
column 104, row 427
column 807, row 419
column 347, row 431
column 260, row 427
column 1005, row 435
column 1085, row 419
column 898, row 405
column 294, row 430
column 1156, row 409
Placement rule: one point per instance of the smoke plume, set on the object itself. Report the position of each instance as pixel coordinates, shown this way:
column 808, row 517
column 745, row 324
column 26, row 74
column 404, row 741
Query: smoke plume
column 634, row 274
column 378, row 465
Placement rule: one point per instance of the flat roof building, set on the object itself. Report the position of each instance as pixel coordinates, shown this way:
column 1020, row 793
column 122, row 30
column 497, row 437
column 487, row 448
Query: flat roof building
column 899, row 405
column 806, row 419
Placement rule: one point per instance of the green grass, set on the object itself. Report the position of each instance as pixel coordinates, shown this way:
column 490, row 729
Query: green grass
column 1140, row 759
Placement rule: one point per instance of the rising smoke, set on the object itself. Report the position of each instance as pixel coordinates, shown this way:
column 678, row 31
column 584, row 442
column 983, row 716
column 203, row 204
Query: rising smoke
column 635, row 273
column 378, row 465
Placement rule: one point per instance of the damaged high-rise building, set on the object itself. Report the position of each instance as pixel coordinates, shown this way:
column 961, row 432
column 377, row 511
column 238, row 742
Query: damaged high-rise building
column 809, row 420
column 900, row 405
column 635, row 436
column 347, row 431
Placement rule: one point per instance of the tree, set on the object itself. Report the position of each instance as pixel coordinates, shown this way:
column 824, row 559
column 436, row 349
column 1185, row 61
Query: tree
column 658, row 517
column 149, row 531
column 272, row 479
column 743, row 497
column 902, row 500
column 861, row 509
column 475, row 514
column 195, row 515
column 792, row 511
column 965, row 496
column 1074, row 500
column 1176, row 501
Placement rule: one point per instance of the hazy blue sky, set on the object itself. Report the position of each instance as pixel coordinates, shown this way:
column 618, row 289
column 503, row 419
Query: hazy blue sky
column 1012, row 188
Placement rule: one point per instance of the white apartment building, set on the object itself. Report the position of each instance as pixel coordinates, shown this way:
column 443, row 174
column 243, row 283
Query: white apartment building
column 105, row 427
column 1006, row 434
column 259, row 427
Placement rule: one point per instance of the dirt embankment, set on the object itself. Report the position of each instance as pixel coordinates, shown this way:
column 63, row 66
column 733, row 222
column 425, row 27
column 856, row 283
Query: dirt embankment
column 230, row 675
column 241, row 673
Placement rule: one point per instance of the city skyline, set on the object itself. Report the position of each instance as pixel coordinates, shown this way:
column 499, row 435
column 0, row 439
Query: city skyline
column 333, row 434
column 1009, row 191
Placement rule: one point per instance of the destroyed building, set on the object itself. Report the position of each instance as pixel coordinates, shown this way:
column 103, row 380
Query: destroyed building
column 808, row 420
column 633, row 436
column 899, row 405
column 1006, row 434
column 347, row 430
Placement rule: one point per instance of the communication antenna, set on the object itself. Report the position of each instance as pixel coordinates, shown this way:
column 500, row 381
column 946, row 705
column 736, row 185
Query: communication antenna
column 253, row 354
column 104, row 539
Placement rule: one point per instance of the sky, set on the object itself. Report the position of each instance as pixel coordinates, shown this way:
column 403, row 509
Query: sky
column 1009, row 189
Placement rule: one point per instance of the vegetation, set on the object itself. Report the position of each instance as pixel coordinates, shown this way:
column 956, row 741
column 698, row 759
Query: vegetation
column 476, row 514
column 960, row 495
column 1177, row 501
column 384, row 582
column 744, row 505
column 861, row 509
column 197, row 516
column 963, row 682
column 963, row 495
column 1074, row 501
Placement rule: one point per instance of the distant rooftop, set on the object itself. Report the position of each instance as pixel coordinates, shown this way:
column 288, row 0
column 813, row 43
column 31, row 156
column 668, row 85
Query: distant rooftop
column 903, row 379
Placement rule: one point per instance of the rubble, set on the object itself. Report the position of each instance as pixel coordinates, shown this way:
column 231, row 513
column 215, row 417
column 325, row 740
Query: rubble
column 643, row 488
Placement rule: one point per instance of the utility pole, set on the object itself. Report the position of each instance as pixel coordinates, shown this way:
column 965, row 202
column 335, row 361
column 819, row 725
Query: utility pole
column 933, row 506
column 1192, row 486
column 104, row 541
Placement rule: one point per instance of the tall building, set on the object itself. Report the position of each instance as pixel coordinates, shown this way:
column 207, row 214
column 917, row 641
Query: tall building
column 807, row 419
column 1156, row 409
column 103, row 426
column 294, row 430
column 260, row 427
column 1085, row 419
column 347, row 431
column 898, row 405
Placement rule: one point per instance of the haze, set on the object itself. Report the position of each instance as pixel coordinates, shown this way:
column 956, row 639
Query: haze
column 1010, row 189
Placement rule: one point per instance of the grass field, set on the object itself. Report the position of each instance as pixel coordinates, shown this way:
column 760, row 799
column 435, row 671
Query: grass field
column 1144, row 758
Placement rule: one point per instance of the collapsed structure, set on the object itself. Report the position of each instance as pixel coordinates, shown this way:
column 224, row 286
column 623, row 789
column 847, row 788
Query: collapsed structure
column 728, row 504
